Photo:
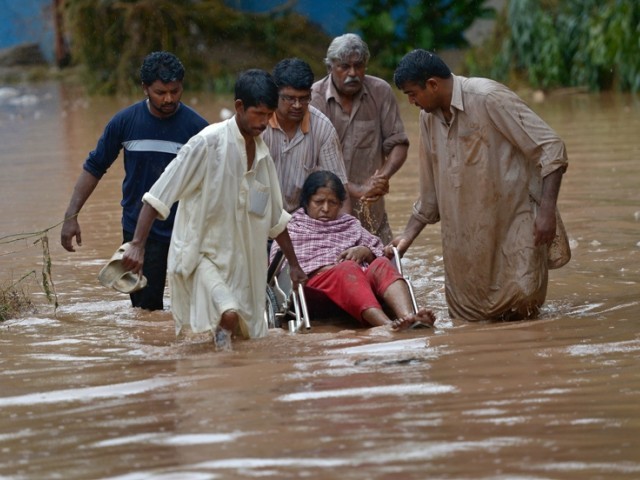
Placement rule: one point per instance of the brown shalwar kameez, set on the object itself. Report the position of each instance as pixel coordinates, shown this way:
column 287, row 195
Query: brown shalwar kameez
column 481, row 177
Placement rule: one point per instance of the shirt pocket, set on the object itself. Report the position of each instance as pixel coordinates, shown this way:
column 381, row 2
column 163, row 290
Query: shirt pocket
column 364, row 133
column 474, row 146
column 259, row 195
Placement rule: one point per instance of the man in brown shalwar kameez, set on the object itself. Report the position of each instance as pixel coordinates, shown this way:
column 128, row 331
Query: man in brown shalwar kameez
column 490, row 172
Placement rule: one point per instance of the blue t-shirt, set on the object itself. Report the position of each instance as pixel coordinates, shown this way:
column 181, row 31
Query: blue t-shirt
column 150, row 144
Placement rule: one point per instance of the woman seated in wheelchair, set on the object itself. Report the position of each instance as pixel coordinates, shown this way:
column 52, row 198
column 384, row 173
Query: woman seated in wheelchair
column 345, row 262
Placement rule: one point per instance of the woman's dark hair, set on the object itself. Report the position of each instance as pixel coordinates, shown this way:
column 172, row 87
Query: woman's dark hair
column 163, row 66
column 317, row 180
column 256, row 87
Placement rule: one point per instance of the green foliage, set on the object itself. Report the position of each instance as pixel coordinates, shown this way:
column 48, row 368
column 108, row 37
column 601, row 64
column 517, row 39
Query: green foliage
column 109, row 38
column 565, row 43
column 392, row 28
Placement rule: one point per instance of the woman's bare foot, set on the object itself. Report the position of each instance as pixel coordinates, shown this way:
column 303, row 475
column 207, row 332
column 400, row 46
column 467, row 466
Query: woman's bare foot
column 424, row 317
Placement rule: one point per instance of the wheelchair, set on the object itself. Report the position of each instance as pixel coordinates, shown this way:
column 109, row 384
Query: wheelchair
column 286, row 306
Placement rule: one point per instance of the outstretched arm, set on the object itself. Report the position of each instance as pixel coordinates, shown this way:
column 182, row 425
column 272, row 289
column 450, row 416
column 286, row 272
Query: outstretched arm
column 297, row 274
column 85, row 185
column 403, row 241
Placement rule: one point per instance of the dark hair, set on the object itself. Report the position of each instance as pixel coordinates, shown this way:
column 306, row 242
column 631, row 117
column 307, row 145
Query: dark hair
column 294, row 73
column 418, row 66
column 317, row 180
column 256, row 87
column 163, row 66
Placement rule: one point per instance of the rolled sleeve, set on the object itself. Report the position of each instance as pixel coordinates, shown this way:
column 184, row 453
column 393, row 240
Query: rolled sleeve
column 399, row 138
column 159, row 206
column 425, row 217
column 279, row 227
column 558, row 153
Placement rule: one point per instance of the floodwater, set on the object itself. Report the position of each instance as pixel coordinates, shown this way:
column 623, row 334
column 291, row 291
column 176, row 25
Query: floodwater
column 95, row 389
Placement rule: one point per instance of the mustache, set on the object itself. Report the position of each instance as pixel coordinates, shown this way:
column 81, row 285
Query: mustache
column 352, row 80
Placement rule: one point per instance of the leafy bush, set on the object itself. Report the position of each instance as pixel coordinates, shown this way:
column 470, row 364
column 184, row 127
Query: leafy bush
column 110, row 38
column 392, row 28
column 564, row 43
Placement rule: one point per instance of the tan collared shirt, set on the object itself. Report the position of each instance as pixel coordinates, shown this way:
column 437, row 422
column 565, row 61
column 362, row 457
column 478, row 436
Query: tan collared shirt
column 367, row 135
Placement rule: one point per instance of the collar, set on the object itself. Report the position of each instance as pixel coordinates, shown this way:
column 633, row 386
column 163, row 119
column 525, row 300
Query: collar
column 456, row 94
column 262, row 150
column 305, row 124
column 147, row 104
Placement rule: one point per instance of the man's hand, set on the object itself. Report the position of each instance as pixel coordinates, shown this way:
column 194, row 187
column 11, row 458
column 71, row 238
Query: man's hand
column 375, row 187
column 70, row 230
column 401, row 243
column 544, row 229
column 298, row 277
column 133, row 257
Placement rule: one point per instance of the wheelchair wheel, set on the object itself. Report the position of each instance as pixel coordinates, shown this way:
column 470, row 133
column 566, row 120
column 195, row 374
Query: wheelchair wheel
column 271, row 307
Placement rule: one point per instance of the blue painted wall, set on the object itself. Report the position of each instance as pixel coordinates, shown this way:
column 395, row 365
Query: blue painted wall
column 27, row 21
column 31, row 21
column 332, row 15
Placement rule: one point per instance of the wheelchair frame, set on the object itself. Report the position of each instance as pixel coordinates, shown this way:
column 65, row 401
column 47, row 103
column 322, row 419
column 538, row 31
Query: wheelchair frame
column 283, row 303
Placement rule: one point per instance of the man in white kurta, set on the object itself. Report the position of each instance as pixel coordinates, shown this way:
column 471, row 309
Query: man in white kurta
column 218, row 255
column 230, row 204
column 490, row 172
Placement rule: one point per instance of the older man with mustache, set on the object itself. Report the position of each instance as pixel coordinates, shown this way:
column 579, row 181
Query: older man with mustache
column 365, row 113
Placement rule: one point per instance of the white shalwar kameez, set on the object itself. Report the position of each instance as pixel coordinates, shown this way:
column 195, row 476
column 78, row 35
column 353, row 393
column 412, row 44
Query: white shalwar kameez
column 218, row 253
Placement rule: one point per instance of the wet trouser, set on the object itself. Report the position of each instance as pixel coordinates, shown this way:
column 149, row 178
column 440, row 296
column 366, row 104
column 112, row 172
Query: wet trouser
column 353, row 289
column 155, row 269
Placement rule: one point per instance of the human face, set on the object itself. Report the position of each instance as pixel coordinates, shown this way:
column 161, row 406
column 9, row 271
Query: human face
column 252, row 121
column 421, row 95
column 164, row 98
column 324, row 205
column 348, row 75
column 293, row 104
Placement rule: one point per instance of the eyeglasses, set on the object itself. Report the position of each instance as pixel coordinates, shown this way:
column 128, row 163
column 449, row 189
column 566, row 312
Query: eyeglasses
column 291, row 100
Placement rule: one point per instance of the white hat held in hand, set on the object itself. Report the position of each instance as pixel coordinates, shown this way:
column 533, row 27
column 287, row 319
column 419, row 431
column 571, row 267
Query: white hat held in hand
column 114, row 275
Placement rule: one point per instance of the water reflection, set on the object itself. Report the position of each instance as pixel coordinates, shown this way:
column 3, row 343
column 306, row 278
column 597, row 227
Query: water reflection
column 98, row 390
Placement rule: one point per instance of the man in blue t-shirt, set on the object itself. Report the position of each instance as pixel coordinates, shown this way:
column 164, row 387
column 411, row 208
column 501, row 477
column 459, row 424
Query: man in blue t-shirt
column 150, row 132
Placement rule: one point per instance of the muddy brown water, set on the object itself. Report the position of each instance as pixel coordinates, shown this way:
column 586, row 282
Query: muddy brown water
column 96, row 389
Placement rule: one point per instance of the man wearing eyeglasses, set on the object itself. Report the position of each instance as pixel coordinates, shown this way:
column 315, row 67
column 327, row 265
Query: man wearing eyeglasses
column 365, row 113
column 300, row 138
